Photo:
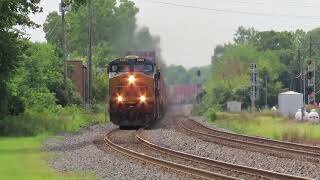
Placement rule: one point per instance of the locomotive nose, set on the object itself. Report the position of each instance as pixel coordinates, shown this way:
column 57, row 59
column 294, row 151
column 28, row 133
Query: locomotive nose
column 133, row 95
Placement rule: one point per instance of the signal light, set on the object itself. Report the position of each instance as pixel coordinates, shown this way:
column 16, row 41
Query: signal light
column 131, row 79
column 120, row 99
column 143, row 99
column 309, row 75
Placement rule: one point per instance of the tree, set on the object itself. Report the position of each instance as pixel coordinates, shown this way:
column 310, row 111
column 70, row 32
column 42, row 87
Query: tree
column 229, row 78
column 38, row 75
column 114, row 33
column 12, row 14
column 218, row 52
column 52, row 27
column 113, row 23
column 244, row 36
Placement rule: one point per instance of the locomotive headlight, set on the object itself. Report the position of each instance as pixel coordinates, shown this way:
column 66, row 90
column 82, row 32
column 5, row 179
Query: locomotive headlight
column 120, row 99
column 131, row 79
column 143, row 99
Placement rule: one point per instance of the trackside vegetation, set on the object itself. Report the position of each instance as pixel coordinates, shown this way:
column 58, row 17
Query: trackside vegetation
column 67, row 119
column 269, row 125
column 280, row 56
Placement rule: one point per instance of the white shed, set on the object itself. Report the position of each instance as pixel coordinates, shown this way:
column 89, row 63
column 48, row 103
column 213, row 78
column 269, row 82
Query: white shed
column 234, row 106
column 289, row 103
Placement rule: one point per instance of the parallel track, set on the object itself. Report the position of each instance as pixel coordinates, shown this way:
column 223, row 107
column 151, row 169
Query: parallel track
column 280, row 146
column 161, row 162
column 246, row 171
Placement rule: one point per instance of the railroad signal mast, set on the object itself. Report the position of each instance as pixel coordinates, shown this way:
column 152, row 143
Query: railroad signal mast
column 254, row 92
column 311, row 89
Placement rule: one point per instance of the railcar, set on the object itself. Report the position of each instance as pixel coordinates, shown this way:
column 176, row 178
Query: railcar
column 137, row 92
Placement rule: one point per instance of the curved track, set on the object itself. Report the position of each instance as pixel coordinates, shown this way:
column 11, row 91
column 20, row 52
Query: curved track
column 194, row 127
column 207, row 165
column 161, row 162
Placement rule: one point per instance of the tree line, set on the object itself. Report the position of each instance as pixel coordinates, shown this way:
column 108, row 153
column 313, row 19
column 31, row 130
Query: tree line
column 280, row 56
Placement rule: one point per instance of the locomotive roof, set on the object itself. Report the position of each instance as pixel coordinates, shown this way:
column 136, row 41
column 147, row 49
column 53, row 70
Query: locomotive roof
column 131, row 60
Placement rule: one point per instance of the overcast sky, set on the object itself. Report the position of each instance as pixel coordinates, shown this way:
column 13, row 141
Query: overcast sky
column 189, row 35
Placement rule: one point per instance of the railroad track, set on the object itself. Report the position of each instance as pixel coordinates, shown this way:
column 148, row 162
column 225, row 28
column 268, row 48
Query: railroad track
column 194, row 127
column 186, row 163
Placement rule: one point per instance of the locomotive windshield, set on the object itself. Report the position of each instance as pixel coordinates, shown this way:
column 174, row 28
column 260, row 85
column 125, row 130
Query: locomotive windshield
column 137, row 67
column 145, row 68
column 120, row 68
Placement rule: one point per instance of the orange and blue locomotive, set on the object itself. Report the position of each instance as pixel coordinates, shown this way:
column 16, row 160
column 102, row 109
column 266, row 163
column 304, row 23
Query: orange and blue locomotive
column 136, row 91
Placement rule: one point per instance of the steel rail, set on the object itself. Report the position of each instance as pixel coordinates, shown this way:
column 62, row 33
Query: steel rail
column 215, row 163
column 253, row 141
column 163, row 163
column 261, row 139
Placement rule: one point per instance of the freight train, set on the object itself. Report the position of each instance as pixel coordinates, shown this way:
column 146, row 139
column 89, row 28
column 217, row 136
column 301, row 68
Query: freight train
column 137, row 92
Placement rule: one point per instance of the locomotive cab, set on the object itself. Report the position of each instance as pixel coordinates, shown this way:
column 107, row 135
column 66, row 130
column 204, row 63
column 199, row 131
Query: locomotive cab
column 133, row 91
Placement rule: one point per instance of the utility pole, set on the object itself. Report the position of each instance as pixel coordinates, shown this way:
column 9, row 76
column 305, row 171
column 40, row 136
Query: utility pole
column 302, row 78
column 89, row 51
column 254, row 92
column 65, row 68
column 310, row 48
column 314, row 75
column 266, row 79
column 300, row 70
column 304, row 88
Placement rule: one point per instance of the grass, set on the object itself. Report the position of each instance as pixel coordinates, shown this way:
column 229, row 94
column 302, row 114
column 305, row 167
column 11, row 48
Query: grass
column 22, row 158
column 270, row 125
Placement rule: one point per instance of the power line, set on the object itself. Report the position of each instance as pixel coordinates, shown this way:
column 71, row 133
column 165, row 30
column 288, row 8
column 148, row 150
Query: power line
column 52, row 30
column 231, row 11
column 292, row 4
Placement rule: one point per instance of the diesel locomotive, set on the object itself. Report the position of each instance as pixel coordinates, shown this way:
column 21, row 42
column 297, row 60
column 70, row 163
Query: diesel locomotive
column 137, row 92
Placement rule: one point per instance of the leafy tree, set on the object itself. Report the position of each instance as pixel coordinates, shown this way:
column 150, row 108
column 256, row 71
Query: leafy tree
column 52, row 27
column 177, row 74
column 12, row 14
column 229, row 78
column 38, row 75
column 218, row 53
column 114, row 33
column 113, row 23
column 244, row 36
column 271, row 40
column 174, row 74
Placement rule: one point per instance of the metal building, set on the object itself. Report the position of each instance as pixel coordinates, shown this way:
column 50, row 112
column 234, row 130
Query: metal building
column 289, row 103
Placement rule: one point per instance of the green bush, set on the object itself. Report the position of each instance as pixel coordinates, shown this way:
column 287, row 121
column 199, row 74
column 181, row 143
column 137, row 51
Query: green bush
column 16, row 106
column 211, row 114
column 51, row 120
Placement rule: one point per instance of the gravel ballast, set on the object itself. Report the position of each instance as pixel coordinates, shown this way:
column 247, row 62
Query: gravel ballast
column 170, row 138
column 81, row 152
column 77, row 152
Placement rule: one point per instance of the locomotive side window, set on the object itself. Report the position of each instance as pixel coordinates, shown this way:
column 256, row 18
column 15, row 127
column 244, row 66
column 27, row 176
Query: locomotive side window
column 117, row 69
column 145, row 68
column 120, row 68
column 114, row 68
